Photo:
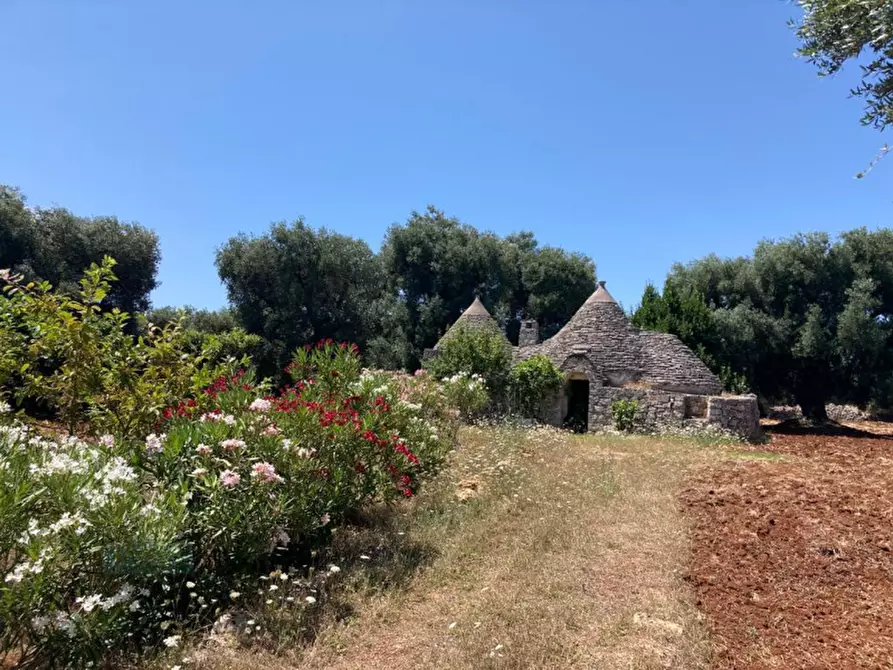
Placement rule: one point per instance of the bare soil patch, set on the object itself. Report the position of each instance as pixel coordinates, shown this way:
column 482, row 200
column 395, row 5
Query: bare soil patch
column 793, row 556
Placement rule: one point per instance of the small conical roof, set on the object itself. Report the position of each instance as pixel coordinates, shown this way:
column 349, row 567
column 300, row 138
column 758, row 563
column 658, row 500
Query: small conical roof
column 600, row 315
column 476, row 316
column 601, row 294
column 598, row 326
column 476, row 309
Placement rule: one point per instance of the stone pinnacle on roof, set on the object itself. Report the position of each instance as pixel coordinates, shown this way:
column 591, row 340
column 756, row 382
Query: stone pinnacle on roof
column 476, row 309
column 601, row 294
column 475, row 317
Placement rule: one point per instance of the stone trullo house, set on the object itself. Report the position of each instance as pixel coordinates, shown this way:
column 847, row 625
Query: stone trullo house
column 606, row 358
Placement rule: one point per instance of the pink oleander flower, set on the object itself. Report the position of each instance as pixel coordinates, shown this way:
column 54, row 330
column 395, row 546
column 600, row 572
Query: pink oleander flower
column 229, row 478
column 203, row 450
column 260, row 405
column 324, row 519
column 271, row 431
column 218, row 417
column 233, row 444
column 265, row 472
column 155, row 443
column 107, row 441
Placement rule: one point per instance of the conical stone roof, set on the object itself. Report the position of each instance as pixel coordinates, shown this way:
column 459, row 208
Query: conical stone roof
column 601, row 330
column 621, row 353
column 476, row 316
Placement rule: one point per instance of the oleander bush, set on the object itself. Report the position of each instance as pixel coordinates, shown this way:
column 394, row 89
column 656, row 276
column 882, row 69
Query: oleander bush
column 114, row 546
column 111, row 546
column 475, row 351
column 466, row 392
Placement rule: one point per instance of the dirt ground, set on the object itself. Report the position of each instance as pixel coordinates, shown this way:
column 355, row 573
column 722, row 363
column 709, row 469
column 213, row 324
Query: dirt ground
column 793, row 551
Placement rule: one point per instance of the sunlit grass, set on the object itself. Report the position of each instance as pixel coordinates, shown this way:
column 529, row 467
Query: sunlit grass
column 568, row 552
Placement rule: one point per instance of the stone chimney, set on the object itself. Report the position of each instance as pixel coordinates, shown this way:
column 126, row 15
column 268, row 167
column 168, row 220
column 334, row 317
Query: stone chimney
column 529, row 334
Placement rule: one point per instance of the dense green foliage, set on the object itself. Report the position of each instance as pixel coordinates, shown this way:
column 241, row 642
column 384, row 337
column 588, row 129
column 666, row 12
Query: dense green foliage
column 806, row 319
column 477, row 351
column 833, row 32
column 114, row 546
column 215, row 333
column 54, row 245
column 64, row 350
column 435, row 266
column 466, row 392
column 296, row 285
column 532, row 382
column 624, row 413
column 203, row 320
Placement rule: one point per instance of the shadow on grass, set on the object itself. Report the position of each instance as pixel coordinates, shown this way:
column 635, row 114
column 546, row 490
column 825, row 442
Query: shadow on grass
column 374, row 556
column 376, row 550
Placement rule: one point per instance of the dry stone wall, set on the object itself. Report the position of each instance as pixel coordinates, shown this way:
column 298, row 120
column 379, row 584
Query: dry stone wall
column 659, row 410
column 737, row 414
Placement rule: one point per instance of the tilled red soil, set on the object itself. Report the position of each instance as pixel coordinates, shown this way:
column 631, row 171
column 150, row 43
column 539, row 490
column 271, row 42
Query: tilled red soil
column 793, row 559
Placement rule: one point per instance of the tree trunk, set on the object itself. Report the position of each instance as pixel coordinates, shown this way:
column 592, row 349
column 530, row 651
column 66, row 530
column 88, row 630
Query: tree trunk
column 812, row 404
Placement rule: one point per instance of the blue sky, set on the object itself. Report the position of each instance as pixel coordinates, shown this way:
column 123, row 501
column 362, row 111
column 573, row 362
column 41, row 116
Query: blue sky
column 640, row 133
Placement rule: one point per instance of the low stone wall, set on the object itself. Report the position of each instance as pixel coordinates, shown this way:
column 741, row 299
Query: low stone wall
column 736, row 414
column 660, row 409
column 656, row 408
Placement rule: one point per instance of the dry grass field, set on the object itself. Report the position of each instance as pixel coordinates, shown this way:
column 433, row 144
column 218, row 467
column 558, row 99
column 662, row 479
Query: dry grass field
column 540, row 549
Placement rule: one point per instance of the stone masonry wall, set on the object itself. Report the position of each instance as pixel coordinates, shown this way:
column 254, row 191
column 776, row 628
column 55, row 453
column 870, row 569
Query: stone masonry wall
column 658, row 409
column 737, row 414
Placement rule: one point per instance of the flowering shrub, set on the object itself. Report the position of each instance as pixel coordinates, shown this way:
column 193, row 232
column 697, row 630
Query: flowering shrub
column 475, row 351
column 466, row 392
column 86, row 550
column 117, row 545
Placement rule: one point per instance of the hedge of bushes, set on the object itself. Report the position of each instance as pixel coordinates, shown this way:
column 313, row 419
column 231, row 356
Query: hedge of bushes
column 152, row 519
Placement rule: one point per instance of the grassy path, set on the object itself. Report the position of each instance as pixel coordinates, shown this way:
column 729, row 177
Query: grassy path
column 568, row 553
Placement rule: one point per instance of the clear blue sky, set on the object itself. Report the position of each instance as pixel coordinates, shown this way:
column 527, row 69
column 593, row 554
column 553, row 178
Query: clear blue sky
column 640, row 133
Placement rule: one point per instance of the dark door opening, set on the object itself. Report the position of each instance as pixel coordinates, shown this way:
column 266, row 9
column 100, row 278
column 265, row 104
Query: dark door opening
column 577, row 418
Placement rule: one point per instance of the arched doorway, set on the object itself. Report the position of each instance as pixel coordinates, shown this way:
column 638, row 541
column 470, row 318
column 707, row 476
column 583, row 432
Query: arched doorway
column 576, row 417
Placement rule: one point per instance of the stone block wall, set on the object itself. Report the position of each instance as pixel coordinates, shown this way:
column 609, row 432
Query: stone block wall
column 737, row 414
column 658, row 409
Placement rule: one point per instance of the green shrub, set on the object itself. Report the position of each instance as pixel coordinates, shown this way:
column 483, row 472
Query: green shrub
column 82, row 361
column 475, row 351
column 624, row 413
column 733, row 382
column 533, row 381
column 110, row 547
